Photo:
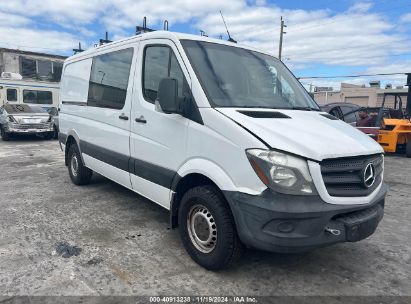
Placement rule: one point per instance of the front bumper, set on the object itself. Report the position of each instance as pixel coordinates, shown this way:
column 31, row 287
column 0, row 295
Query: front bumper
column 285, row 223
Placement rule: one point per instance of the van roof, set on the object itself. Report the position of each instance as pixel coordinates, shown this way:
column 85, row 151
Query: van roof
column 161, row 35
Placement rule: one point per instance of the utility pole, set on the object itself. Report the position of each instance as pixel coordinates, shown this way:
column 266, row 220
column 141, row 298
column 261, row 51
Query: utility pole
column 280, row 49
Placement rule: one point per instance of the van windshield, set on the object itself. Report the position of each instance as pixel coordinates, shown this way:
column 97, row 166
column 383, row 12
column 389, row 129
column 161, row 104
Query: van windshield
column 236, row 77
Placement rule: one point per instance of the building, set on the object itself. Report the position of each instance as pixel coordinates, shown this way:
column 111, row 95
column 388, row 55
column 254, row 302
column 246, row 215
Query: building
column 367, row 96
column 31, row 65
column 30, row 77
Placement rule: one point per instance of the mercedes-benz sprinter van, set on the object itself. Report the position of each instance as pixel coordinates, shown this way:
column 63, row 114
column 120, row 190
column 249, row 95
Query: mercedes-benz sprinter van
column 226, row 139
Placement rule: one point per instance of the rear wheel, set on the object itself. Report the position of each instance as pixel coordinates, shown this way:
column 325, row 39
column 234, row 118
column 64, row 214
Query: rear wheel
column 79, row 174
column 408, row 149
column 207, row 228
column 4, row 135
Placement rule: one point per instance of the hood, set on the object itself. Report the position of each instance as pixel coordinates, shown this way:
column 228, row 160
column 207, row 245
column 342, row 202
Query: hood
column 305, row 133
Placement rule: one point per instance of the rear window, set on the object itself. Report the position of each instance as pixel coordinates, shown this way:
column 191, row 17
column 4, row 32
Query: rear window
column 37, row 97
column 22, row 108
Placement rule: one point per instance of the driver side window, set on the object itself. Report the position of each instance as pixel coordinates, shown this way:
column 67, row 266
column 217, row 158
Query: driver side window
column 160, row 62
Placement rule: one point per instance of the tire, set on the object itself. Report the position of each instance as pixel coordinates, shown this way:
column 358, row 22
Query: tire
column 4, row 136
column 408, row 149
column 217, row 245
column 79, row 174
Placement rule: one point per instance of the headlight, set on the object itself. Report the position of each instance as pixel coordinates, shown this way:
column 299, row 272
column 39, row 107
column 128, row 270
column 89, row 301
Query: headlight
column 282, row 172
column 11, row 119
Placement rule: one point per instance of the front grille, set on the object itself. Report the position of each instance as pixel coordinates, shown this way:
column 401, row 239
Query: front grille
column 33, row 126
column 345, row 176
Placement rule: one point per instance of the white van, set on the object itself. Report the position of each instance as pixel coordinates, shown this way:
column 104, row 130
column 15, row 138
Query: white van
column 226, row 138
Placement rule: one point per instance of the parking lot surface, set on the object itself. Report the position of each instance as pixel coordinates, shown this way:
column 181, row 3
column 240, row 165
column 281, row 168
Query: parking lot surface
column 122, row 244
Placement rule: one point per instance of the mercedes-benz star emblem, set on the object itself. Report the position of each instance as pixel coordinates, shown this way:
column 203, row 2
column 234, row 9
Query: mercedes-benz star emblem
column 369, row 175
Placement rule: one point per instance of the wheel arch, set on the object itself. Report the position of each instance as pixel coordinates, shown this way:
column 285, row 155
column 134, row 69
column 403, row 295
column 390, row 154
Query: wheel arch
column 196, row 172
column 72, row 138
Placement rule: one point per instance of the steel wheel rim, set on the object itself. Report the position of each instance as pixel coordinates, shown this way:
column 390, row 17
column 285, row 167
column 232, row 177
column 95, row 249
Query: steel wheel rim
column 202, row 228
column 74, row 165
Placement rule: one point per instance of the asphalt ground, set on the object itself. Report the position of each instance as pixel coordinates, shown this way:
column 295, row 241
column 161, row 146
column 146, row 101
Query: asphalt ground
column 121, row 243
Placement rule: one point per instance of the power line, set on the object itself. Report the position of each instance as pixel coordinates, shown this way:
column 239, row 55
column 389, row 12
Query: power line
column 350, row 76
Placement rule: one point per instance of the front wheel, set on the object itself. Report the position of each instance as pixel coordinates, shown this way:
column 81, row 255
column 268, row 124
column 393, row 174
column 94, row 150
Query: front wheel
column 79, row 174
column 408, row 149
column 207, row 228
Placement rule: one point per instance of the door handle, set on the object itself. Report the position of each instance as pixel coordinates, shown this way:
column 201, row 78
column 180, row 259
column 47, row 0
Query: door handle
column 141, row 119
column 123, row 117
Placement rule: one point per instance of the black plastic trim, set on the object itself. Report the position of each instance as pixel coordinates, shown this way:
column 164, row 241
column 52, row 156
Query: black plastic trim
column 62, row 138
column 75, row 103
column 264, row 114
column 151, row 172
column 258, row 219
column 115, row 159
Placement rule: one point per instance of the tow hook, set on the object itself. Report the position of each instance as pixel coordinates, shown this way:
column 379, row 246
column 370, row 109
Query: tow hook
column 333, row 231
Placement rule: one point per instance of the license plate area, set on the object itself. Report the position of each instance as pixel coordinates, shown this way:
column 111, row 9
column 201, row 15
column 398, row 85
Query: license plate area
column 361, row 224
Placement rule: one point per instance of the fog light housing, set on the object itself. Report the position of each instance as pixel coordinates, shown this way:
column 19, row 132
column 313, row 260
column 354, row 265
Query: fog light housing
column 285, row 227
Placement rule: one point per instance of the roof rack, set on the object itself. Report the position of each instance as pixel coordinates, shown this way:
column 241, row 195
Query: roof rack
column 144, row 29
column 79, row 50
column 103, row 41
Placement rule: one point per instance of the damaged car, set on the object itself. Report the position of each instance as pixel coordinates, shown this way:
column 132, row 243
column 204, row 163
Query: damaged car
column 25, row 119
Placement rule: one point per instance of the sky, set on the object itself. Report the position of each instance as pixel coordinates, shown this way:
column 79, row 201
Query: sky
column 323, row 37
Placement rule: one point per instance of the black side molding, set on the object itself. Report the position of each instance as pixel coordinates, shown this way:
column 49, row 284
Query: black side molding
column 75, row 103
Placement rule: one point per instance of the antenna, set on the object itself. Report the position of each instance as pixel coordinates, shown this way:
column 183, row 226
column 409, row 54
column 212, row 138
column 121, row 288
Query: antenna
column 202, row 33
column 166, row 25
column 228, row 33
column 79, row 50
column 102, row 41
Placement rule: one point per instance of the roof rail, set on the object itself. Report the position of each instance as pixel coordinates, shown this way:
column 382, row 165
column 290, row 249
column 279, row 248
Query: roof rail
column 144, row 29
column 103, row 41
column 79, row 50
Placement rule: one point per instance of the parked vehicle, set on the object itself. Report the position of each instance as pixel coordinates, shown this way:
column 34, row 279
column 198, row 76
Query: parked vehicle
column 348, row 112
column 23, row 119
column 224, row 137
column 390, row 126
column 18, row 91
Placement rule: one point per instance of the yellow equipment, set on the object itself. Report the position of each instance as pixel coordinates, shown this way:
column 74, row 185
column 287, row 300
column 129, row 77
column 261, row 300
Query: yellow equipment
column 395, row 132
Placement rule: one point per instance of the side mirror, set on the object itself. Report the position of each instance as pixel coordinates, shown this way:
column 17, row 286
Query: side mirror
column 167, row 96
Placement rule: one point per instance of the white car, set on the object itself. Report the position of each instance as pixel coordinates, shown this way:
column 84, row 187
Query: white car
column 224, row 137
